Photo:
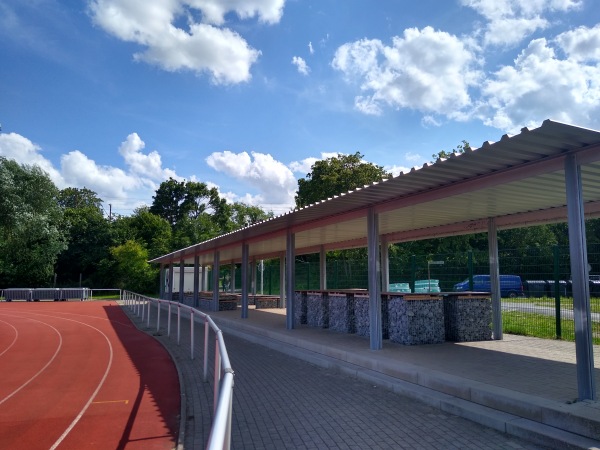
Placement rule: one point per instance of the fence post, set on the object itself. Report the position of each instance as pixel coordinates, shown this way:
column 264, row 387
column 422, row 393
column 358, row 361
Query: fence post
column 192, row 333
column 470, row 268
column 169, row 321
column 206, row 329
column 158, row 315
column 178, row 322
column 413, row 272
column 557, row 291
column 148, row 318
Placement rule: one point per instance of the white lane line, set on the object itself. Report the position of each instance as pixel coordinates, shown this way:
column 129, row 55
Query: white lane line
column 43, row 368
column 89, row 402
column 14, row 340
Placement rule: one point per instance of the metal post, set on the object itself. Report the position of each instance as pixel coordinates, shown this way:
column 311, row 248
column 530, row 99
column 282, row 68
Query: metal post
column 495, row 279
column 557, row 292
column 206, row 329
column 178, row 323
column 217, row 374
column 282, row 289
column 181, row 280
column 148, row 323
column 580, row 275
column 158, row 315
column 161, row 288
column 169, row 322
column 290, row 278
column 215, row 297
column 192, row 333
column 245, row 252
column 470, row 268
column 374, row 272
column 323, row 269
column 385, row 264
column 170, row 296
column 196, row 280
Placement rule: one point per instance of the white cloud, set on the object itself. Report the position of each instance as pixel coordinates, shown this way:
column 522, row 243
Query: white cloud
column 22, row 150
column 541, row 86
column 396, row 170
column 214, row 11
column 124, row 189
column 427, row 70
column 511, row 21
column 149, row 165
column 581, row 44
column 275, row 181
column 203, row 47
column 305, row 166
column 311, row 49
column 300, row 65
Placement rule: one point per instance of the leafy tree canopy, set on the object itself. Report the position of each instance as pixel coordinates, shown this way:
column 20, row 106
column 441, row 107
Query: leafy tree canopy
column 443, row 154
column 336, row 175
column 31, row 235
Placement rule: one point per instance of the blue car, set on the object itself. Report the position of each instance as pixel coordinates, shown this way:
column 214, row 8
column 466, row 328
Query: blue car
column 510, row 285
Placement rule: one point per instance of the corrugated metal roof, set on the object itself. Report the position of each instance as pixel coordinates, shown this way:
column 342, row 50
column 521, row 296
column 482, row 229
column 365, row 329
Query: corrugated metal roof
column 519, row 180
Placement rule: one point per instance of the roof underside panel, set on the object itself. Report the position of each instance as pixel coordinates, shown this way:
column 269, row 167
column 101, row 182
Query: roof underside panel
column 520, row 177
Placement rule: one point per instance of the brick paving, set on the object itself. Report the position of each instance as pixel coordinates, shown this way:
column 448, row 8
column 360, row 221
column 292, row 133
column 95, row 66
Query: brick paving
column 281, row 402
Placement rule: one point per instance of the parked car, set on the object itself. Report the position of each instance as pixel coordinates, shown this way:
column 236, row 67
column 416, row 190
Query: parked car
column 510, row 285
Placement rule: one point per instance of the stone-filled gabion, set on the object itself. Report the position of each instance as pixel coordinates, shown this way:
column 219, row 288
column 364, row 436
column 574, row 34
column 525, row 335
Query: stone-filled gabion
column 300, row 308
column 317, row 309
column 416, row 320
column 341, row 312
column 361, row 315
column 266, row 302
column 468, row 318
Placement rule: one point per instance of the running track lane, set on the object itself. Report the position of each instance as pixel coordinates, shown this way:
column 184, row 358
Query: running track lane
column 79, row 375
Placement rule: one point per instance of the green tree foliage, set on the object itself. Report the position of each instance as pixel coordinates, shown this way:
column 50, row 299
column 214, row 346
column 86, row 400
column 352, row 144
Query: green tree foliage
column 443, row 154
column 336, row 175
column 243, row 215
column 131, row 269
column 88, row 234
column 150, row 230
column 30, row 225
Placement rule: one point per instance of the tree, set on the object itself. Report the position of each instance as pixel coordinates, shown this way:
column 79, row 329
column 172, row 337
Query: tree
column 443, row 154
column 131, row 269
column 88, row 234
column 168, row 201
column 75, row 198
column 31, row 235
column 244, row 215
column 336, row 175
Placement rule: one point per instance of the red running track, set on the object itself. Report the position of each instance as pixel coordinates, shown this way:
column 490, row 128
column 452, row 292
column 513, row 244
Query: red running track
column 80, row 375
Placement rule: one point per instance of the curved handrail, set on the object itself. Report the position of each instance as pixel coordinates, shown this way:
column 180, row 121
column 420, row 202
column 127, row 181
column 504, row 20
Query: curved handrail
column 220, row 434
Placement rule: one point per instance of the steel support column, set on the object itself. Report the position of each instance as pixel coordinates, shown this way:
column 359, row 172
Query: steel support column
column 215, row 293
column 245, row 252
column 322, row 269
column 161, row 288
column 170, row 281
column 282, row 288
column 580, row 275
column 181, row 279
column 291, row 278
column 196, row 281
column 385, row 264
column 495, row 279
column 374, row 271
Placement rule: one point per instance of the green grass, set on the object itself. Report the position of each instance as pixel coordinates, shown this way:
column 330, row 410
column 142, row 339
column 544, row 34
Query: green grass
column 542, row 326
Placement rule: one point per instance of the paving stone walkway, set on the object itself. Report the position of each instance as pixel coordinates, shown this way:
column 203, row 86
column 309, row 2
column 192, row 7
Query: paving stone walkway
column 281, row 402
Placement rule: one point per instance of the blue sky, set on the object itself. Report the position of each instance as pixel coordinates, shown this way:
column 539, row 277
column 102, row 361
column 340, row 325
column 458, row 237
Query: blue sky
column 119, row 95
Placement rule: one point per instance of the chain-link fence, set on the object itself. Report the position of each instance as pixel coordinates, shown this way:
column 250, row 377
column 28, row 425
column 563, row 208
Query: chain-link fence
column 544, row 309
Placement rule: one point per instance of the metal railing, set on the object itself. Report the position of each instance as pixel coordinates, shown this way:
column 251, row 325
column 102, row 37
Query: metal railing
column 220, row 434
